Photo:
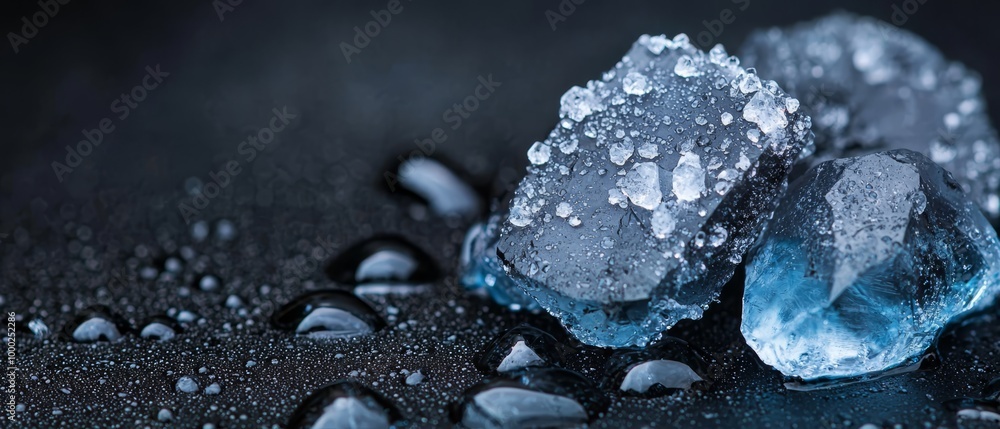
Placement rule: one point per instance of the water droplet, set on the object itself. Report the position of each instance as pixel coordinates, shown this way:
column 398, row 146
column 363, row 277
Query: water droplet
column 536, row 397
column 669, row 365
column 199, row 231
column 39, row 328
column 95, row 324
column 160, row 328
column 520, row 347
column 345, row 404
column 208, row 283
column 213, row 389
column 414, row 379
column 165, row 415
column 225, row 230
column 234, row 302
column 329, row 314
column 445, row 192
column 173, row 264
column 384, row 259
column 186, row 384
column 974, row 409
column 992, row 389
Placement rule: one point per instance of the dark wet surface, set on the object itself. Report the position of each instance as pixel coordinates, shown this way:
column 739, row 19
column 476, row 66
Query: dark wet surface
column 320, row 188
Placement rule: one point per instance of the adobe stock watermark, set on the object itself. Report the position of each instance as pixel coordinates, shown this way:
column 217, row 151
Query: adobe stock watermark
column 324, row 249
column 10, row 371
column 563, row 10
column 38, row 20
column 123, row 107
column 222, row 7
column 900, row 15
column 363, row 35
column 454, row 116
column 219, row 180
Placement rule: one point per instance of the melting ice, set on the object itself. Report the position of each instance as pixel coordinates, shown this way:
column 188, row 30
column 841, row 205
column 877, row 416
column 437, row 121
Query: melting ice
column 638, row 206
column 865, row 261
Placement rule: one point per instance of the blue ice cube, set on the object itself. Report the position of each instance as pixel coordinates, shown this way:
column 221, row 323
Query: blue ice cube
column 865, row 261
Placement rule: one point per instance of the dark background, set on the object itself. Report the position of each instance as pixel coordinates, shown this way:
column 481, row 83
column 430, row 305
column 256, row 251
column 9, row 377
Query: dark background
column 322, row 178
column 225, row 76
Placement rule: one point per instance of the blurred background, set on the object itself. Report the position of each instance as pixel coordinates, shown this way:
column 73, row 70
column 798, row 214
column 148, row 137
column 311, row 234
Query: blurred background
column 229, row 65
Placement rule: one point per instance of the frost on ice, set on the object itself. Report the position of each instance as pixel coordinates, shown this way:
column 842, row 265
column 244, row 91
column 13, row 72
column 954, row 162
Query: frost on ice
column 642, row 222
column 871, row 86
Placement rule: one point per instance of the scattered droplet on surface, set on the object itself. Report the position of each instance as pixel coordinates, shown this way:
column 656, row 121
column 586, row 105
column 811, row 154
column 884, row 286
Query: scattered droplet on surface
column 165, row 415
column 520, row 347
column 446, row 193
column 414, row 379
column 383, row 259
column 225, row 230
column 328, row 314
column 213, row 389
column 39, row 328
column 186, row 384
column 208, row 283
column 538, row 397
column 160, row 328
column 97, row 323
column 665, row 367
column 345, row 404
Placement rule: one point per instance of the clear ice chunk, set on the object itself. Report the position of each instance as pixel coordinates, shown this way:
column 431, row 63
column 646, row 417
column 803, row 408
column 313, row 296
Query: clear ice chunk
column 871, row 86
column 864, row 262
column 620, row 246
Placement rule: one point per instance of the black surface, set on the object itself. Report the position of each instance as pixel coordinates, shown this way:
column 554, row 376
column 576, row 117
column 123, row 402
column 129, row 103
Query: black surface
column 318, row 188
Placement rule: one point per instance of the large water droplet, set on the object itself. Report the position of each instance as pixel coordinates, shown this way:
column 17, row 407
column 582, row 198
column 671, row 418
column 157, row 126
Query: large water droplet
column 974, row 409
column 383, row 259
column 97, row 323
column 992, row 389
column 520, row 347
column 445, row 192
column 331, row 314
column 347, row 405
column 660, row 369
column 533, row 398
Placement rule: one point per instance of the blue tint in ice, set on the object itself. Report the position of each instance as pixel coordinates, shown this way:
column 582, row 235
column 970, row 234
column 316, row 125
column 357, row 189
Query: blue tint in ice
column 639, row 205
column 865, row 261
column 482, row 269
